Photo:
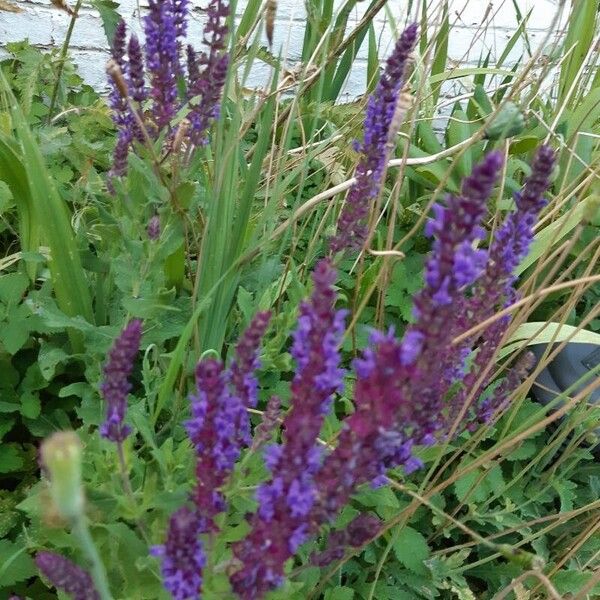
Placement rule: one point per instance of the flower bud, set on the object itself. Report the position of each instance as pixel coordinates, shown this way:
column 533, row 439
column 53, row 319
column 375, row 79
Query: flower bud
column 61, row 457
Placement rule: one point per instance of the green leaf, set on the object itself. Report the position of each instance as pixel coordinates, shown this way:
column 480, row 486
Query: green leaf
column 109, row 15
column 467, row 72
column 339, row 593
column 50, row 210
column 12, row 287
column 11, row 458
column 30, row 405
column 49, row 358
column 477, row 487
column 411, row 549
column 566, row 493
column 15, row 332
column 571, row 582
column 15, row 564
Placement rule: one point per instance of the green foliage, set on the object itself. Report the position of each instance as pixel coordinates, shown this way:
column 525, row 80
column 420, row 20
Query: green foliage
column 236, row 237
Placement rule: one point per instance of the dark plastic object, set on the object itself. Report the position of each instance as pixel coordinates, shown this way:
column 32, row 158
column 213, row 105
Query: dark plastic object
column 571, row 363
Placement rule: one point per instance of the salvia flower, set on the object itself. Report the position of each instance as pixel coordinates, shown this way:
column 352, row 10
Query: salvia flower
column 162, row 59
column 121, row 114
column 181, row 9
column 137, row 83
column 66, row 576
column 404, row 388
column 182, row 556
column 495, row 289
column 455, row 263
column 281, row 524
column 208, row 71
column 243, row 368
column 381, row 108
column 359, row 531
column 116, row 386
column 213, row 431
column 117, row 101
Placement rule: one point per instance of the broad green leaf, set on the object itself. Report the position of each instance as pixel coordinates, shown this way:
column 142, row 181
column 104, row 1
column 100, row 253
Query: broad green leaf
column 572, row 581
column 411, row 549
column 339, row 593
column 15, row 564
column 109, row 15
column 11, row 458
column 12, row 287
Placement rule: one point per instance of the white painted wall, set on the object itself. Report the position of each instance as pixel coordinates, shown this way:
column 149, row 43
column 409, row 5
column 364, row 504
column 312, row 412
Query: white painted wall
column 45, row 26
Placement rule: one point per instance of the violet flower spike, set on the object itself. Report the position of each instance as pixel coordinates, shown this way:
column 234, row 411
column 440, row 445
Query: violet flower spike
column 116, row 386
column 455, row 263
column 181, row 9
column 213, row 430
column 282, row 523
column 162, row 60
column 495, row 290
column 351, row 225
column 207, row 72
column 242, row 371
column 121, row 115
column 136, row 82
column 182, row 556
column 66, row 576
column 399, row 393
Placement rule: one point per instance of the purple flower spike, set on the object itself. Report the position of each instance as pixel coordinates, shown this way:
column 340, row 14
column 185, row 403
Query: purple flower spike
column 137, row 84
column 207, row 71
column 213, row 429
column 495, row 289
column 455, row 263
column 369, row 172
column 406, row 392
column 116, row 385
column 281, row 524
column 121, row 115
column 246, row 360
column 242, row 371
column 162, row 59
column 66, row 576
column 182, row 556
column 181, row 9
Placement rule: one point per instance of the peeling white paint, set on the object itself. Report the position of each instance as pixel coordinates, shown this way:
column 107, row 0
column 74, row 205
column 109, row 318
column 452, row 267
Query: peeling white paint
column 46, row 26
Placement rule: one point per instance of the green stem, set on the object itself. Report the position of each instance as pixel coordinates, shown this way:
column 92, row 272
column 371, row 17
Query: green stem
column 63, row 58
column 82, row 533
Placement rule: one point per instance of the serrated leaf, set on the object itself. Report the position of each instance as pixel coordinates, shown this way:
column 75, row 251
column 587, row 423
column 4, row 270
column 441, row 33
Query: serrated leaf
column 566, row 493
column 15, row 564
column 30, row 405
column 11, row 458
column 339, row 593
column 411, row 549
column 49, row 358
column 109, row 15
column 525, row 450
column 12, row 287
column 476, row 487
column 571, row 582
